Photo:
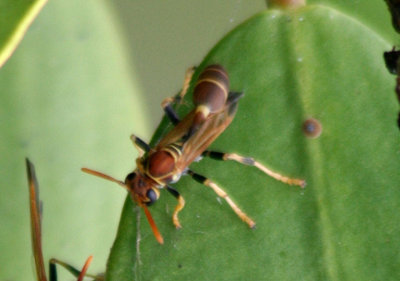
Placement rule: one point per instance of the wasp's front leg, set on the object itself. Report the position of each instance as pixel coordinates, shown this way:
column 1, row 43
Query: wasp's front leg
column 140, row 145
column 179, row 206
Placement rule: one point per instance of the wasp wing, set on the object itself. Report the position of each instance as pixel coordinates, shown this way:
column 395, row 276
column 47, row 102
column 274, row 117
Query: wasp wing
column 36, row 232
column 208, row 131
column 181, row 130
column 178, row 132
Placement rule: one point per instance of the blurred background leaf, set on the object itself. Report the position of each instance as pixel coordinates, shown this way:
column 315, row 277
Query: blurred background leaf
column 68, row 99
column 15, row 19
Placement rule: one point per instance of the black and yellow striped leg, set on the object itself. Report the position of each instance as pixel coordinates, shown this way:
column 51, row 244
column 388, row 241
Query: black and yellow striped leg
column 36, row 235
column 221, row 193
column 140, row 145
column 251, row 162
column 179, row 206
column 74, row 271
column 171, row 114
column 167, row 104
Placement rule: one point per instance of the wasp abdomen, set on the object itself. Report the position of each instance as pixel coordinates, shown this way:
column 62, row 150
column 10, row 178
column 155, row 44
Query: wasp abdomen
column 210, row 94
column 212, row 87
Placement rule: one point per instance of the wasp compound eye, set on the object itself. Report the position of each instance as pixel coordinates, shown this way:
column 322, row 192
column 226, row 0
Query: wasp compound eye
column 152, row 196
column 130, row 177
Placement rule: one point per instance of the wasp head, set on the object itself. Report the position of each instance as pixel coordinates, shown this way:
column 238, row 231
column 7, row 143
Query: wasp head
column 142, row 189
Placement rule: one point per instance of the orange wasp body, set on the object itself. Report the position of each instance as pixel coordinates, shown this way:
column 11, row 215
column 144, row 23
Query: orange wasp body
column 163, row 164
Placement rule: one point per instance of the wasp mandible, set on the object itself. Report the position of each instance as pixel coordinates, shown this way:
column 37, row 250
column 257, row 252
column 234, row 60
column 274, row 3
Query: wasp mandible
column 36, row 235
column 164, row 164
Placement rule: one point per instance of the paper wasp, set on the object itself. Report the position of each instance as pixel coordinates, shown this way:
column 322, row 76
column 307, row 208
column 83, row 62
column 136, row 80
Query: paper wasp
column 36, row 235
column 159, row 166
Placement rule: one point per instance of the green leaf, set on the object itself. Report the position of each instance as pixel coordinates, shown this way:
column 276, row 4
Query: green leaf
column 15, row 19
column 314, row 62
column 372, row 13
column 68, row 99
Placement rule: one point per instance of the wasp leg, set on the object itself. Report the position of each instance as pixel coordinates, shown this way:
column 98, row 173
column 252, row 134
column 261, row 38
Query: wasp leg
column 74, row 271
column 36, row 233
column 140, row 145
column 171, row 114
column 251, row 162
column 168, row 103
column 221, row 193
column 179, row 206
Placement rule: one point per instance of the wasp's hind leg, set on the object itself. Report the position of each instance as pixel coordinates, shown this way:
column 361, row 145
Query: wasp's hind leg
column 251, row 162
column 221, row 193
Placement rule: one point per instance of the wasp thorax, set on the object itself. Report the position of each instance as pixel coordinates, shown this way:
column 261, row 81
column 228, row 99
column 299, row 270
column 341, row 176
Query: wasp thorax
column 161, row 163
column 212, row 88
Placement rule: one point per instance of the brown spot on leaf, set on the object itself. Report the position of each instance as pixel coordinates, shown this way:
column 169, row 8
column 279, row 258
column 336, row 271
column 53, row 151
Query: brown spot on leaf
column 312, row 128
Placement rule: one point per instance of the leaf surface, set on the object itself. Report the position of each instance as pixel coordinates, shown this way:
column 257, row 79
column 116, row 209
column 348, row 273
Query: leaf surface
column 314, row 62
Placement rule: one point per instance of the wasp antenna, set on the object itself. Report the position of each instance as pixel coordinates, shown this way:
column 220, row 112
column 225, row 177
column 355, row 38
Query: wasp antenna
column 104, row 176
column 153, row 225
column 84, row 268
